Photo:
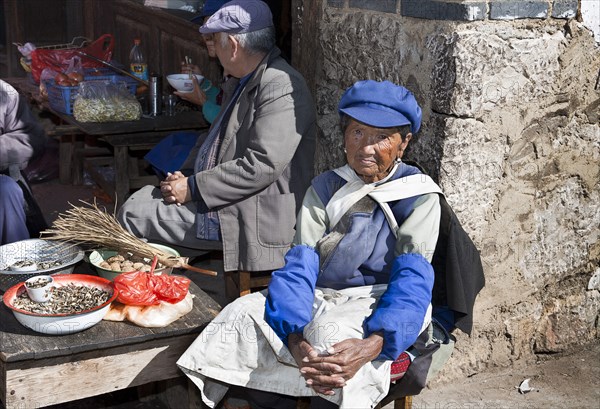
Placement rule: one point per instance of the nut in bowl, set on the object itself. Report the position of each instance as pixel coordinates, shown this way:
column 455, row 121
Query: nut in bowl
column 111, row 263
column 78, row 302
column 183, row 82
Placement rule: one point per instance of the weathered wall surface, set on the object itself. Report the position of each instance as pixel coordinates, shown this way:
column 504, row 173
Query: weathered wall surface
column 511, row 131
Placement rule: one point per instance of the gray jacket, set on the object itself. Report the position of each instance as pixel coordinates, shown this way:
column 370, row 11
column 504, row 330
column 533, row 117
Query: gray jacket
column 21, row 136
column 264, row 167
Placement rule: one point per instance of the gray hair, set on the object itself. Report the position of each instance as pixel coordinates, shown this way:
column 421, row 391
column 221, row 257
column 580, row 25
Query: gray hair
column 255, row 41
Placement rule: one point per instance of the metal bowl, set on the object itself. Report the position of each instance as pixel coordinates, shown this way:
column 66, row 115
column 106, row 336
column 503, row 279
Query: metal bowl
column 39, row 251
column 61, row 324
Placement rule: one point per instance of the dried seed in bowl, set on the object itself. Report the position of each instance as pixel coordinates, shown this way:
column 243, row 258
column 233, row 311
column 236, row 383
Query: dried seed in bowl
column 23, row 263
column 39, row 283
column 68, row 299
column 45, row 265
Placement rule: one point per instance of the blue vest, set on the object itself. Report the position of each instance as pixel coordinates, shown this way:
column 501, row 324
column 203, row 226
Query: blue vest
column 359, row 250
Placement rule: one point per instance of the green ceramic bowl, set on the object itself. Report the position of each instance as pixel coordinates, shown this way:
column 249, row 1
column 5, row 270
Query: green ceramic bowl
column 98, row 256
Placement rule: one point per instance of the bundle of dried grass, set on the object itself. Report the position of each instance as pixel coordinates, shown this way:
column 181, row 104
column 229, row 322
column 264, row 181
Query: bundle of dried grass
column 94, row 227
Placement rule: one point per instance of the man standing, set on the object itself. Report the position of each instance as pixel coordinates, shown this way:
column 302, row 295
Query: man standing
column 251, row 173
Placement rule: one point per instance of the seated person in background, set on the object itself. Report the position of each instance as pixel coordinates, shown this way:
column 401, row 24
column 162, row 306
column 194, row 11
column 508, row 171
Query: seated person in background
column 206, row 95
column 256, row 162
column 170, row 153
column 351, row 308
column 21, row 139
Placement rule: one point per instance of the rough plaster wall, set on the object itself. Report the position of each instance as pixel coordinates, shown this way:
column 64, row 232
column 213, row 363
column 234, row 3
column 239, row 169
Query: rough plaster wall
column 511, row 132
column 366, row 45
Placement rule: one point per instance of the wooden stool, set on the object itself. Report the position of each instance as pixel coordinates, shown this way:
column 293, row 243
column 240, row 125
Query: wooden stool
column 240, row 283
column 403, row 403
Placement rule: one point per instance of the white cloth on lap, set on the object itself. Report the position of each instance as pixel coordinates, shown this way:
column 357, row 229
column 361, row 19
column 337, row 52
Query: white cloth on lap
column 239, row 348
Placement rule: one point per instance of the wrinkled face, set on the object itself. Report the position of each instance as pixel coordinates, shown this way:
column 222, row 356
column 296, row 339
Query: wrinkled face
column 371, row 151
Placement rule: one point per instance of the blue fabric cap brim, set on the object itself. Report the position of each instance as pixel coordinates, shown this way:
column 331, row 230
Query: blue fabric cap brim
column 378, row 117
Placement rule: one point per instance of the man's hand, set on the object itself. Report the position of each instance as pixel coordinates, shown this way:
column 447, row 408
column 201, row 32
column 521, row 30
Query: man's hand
column 343, row 360
column 174, row 189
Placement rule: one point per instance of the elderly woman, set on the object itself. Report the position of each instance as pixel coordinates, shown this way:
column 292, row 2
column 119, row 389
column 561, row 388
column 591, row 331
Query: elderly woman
column 351, row 309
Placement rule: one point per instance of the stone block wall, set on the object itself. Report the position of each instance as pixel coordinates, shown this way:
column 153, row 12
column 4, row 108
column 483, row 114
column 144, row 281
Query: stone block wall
column 467, row 10
column 511, row 132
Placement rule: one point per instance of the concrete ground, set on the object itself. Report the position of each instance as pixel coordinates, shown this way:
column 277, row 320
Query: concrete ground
column 569, row 380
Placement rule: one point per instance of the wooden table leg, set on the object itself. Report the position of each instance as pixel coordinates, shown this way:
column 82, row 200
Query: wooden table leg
column 66, row 148
column 78, row 157
column 121, row 174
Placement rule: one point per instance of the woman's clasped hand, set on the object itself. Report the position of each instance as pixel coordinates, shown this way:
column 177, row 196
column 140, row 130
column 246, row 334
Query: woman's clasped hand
column 330, row 370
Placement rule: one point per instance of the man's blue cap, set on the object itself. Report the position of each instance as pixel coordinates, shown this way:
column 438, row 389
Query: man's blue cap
column 239, row 16
column 381, row 104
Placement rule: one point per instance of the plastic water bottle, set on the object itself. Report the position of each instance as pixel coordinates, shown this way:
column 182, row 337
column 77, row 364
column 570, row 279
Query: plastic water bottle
column 138, row 66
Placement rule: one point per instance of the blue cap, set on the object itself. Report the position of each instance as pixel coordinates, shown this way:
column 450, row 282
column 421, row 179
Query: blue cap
column 381, row 104
column 210, row 7
column 239, row 16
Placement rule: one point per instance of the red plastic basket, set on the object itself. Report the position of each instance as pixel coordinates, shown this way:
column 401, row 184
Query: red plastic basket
column 61, row 98
column 60, row 59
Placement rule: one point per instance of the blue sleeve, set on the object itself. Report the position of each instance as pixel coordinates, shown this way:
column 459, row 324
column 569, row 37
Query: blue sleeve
column 210, row 110
column 289, row 302
column 401, row 310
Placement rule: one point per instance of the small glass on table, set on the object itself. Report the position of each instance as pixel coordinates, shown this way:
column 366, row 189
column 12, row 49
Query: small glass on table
column 170, row 103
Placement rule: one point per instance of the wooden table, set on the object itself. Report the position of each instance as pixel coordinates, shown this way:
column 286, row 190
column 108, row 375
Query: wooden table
column 40, row 370
column 125, row 139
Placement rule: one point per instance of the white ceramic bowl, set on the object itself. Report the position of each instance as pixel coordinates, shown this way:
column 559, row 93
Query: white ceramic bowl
column 98, row 256
column 61, row 324
column 182, row 82
column 39, row 288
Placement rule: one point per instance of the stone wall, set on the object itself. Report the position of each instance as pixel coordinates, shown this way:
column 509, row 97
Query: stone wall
column 511, row 131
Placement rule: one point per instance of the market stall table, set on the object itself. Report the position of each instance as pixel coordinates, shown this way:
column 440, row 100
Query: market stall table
column 126, row 139
column 40, row 370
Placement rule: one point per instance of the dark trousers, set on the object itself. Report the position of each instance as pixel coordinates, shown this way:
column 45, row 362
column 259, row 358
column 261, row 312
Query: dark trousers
column 13, row 224
column 269, row 400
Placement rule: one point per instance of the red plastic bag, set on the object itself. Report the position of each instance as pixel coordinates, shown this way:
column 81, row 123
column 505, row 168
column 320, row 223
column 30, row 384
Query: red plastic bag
column 59, row 60
column 144, row 288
